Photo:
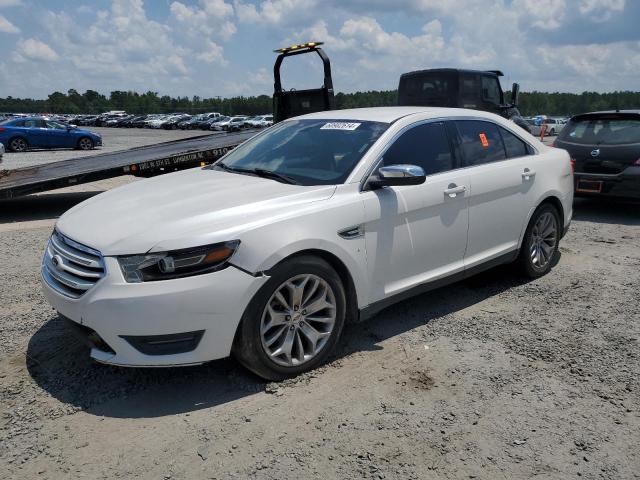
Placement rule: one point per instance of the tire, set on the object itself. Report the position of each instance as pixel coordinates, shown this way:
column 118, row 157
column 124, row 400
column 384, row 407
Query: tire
column 552, row 132
column 257, row 344
column 18, row 144
column 541, row 242
column 85, row 143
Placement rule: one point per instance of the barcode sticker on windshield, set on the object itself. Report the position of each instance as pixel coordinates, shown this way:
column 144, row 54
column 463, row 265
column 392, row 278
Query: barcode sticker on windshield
column 340, row 126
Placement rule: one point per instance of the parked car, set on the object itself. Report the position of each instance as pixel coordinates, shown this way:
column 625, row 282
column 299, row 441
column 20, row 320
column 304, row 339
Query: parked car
column 171, row 123
column 534, row 127
column 377, row 204
column 260, row 121
column 605, row 152
column 234, row 124
column 554, row 126
column 219, row 123
column 20, row 134
column 190, row 123
column 1, row 152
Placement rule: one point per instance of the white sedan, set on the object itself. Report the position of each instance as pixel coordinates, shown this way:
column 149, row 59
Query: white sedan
column 319, row 220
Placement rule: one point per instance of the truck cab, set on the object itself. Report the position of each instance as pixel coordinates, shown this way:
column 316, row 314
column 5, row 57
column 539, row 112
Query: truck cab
column 456, row 88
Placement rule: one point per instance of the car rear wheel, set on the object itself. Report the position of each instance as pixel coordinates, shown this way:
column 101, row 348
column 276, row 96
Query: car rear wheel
column 85, row 143
column 294, row 321
column 18, row 144
column 541, row 241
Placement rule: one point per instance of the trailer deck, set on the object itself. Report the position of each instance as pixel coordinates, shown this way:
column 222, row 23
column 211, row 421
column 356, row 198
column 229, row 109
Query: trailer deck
column 140, row 161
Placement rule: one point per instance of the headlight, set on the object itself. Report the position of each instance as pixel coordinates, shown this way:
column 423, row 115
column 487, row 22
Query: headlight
column 177, row 263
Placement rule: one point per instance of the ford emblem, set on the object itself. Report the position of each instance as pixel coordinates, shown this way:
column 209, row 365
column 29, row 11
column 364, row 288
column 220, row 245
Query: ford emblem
column 57, row 262
column 595, row 153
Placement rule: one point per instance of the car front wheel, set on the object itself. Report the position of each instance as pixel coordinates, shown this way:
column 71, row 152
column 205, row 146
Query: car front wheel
column 294, row 321
column 541, row 241
column 85, row 143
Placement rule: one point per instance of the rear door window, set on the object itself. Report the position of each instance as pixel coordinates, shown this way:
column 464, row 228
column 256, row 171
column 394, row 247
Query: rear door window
column 480, row 142
column 425, row 145
column 514, row 146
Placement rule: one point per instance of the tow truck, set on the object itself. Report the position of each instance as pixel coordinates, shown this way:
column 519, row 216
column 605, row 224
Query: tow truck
column 142, row 162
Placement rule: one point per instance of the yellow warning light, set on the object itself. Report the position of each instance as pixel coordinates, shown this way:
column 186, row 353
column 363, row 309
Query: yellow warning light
column 298, row 46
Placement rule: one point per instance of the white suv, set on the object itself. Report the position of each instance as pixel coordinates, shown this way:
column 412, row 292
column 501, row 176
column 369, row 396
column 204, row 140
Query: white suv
column 316, row 221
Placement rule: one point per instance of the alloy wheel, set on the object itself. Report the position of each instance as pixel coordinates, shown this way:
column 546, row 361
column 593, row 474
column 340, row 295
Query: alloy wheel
column 544, row 237
column 85, row 144
column 18, row 145
column 298, row 320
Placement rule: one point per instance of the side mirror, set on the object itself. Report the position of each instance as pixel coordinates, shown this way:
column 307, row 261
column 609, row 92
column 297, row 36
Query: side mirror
column 397, row 175
column 515, row 93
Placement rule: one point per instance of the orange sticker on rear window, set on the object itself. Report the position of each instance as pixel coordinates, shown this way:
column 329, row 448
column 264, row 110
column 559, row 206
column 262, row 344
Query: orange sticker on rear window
column 483, row 140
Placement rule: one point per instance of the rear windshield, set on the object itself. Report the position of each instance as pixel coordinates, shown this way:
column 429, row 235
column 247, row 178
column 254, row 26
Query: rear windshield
column 602, row 131
column 435, row 88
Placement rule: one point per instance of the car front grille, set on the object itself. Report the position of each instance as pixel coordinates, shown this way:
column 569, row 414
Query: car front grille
column 71, row 268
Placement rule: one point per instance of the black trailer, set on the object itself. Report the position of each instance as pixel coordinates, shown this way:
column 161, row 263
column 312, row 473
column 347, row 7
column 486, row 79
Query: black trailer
column 141, row 161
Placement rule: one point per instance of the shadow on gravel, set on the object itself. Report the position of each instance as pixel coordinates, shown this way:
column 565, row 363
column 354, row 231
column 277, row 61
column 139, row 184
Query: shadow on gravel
column 40, row 207
column 62, row 367
column 602, row 210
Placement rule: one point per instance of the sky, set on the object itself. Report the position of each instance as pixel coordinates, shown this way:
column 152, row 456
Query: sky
column 225, row 47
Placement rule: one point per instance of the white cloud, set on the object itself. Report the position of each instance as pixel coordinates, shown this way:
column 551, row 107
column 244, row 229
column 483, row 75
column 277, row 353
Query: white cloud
column 10, row 3
column 217, row 8
column 210, row 19
column 36, row 50
column 588, row 6
column 7, row 27
column 279, row 12
column 213, row 53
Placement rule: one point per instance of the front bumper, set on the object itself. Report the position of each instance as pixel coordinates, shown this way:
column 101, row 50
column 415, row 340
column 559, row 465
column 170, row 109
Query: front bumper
column 623, row 185
column 128, row 318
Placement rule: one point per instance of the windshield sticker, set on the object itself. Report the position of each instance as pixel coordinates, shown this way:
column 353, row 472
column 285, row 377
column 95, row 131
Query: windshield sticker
column 340, row 126
column 483, row 140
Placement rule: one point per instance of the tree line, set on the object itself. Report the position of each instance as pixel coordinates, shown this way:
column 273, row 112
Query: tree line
column 531, row 103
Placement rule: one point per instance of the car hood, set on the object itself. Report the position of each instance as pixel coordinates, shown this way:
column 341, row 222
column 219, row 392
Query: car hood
column 82, row 131
column 185, row 209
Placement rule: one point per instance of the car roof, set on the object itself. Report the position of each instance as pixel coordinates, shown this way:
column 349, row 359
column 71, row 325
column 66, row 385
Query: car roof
column 32, row 117
column 606, row 112
column 391, row 114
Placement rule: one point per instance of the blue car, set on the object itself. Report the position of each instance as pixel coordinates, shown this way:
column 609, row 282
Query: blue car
column 20, row 134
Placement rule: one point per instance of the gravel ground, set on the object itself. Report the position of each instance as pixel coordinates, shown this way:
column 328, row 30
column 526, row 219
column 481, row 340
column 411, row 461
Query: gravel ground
column 113, row 139
column 495, row 377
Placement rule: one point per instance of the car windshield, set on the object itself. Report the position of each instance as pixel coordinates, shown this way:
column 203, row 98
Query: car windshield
column 311, row 152
column 602, row 131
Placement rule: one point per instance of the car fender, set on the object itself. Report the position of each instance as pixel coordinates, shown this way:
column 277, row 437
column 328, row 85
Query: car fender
column 318, row 231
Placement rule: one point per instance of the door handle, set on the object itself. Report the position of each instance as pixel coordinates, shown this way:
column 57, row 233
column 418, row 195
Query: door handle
column 454, row 190
column 527, row 174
